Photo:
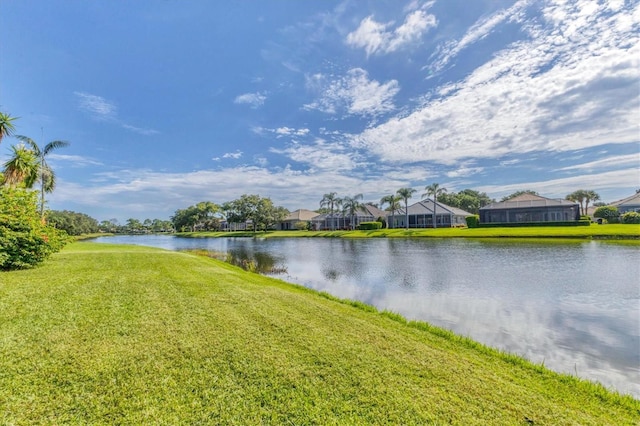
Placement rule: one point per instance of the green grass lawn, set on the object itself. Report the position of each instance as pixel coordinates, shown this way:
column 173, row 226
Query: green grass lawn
column 609, row 231
column 105, row 334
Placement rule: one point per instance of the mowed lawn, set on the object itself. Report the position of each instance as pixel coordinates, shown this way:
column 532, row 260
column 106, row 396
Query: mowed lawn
column 106, row 334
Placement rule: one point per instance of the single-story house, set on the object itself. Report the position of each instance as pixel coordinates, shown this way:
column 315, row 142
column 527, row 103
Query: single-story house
column 629, row 204
column 300, row 215
column 530, row 208
column 342, row 220
column 421, row 216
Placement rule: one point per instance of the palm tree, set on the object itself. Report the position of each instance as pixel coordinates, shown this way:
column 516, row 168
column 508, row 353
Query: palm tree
column 6, row 125
column 589, row 196
column 330, row 201
column 394, row 205
column 351, row 205
column 578, row 197
column 21, row 168
column 434, row 190
column 44, row 173
column 405, row 194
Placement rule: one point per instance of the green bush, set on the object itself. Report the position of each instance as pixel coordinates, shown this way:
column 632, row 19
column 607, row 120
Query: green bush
column 610, row 213
column 25, row 240
column 585, row 217
column 473, row 221
column 368, row 226
column 630, row 217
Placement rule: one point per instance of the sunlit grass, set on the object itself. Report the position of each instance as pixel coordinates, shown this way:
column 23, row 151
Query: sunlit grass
column 609, row 231
column 105, row 334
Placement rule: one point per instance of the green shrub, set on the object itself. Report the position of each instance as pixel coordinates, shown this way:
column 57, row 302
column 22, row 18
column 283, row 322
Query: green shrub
column 301, row 225
column 368, row 226
column 630, row 217
column 25, row 240
column 530, row 224
column 585, row 217
column 610, row 213
column 473, row 221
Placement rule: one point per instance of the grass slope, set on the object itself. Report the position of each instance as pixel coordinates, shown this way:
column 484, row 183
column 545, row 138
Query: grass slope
column 617, row 231
column 105, row 334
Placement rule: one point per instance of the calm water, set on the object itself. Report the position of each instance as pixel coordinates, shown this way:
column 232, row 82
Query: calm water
column 574, row 306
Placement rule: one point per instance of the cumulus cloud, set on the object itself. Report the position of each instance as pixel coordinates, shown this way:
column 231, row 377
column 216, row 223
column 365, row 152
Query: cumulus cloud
column 561, row 89
column 320, row 156
column 254, row 100
column 352, row 94
column 376, row 37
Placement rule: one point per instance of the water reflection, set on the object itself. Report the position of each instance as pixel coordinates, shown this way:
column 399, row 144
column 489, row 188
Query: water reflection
column 574, row 306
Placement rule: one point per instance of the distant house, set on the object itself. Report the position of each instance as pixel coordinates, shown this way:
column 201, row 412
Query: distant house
column 629, row 204
column 341, row 220
column 421, row 216
column 300, row 215
column 530, row 208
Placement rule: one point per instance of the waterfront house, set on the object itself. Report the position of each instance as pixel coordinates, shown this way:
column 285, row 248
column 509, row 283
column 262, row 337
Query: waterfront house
column 629, row 204
column 300, row 215
column 421, row 216
column 530, row 208
column 342, row 220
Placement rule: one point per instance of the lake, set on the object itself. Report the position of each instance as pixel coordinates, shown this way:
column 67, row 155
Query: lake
column 572, row 305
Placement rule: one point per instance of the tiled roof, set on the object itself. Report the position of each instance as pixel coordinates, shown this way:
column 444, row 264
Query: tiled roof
column 301, row 215
column 633, row 200
column 426, row 207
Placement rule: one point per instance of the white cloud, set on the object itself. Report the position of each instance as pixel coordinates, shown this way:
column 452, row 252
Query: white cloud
column 141, row 131
column 616, row 161
column 320, row 156
column 374, row 37
column 76, row 160
column 254, row 100
column 101, row 109
column 547, row 93
column 96, row 106
column 234, row 155
column 478, row 31
column 353, row 94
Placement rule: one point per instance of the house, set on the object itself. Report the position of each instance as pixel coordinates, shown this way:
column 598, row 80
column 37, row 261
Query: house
column 629, row 204
column 421, row 216
column 300, row 215
column 342, row 220
column 530, row 208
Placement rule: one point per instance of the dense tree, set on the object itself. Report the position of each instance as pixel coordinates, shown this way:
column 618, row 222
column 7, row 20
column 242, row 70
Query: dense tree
column 45, row 174
column 72, row 223
column 350, row 206
column 261, row 212
column 25, row 240
column 330, row 201
column 468, row 200
column 393, row 205
column 405, row 194
column 6, row 125
column 518, row 193
column 435, row 191
column 204, row 215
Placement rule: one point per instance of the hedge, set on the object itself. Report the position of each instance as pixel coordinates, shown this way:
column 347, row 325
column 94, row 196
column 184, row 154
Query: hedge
column 526, row 224
column 368, row 226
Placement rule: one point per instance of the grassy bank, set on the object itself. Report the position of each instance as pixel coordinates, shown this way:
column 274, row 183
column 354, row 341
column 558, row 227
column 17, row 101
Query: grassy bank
column 133, row 335
column 617, row 232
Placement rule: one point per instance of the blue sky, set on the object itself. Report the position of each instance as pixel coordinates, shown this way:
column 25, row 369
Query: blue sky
column 167, row 103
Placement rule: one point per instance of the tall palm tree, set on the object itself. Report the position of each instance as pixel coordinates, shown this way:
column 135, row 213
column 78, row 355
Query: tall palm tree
column 44, row 173
column 351, row 205
column 405, row 194
column 21, row 168
column 578, row 197
column 434, row 190
column 394, row 205
column 330, row 201
column 6, row 125
column 589, row 196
